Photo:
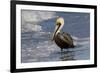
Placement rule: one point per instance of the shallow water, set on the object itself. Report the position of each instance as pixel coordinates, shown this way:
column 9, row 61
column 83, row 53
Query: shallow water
column 37, row 47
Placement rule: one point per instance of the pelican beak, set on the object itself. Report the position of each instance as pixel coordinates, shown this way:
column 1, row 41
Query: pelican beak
column 56, row 29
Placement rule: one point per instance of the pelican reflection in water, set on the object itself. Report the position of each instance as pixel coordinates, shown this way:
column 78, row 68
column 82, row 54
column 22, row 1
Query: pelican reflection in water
column 62, row 39
column 67, row 55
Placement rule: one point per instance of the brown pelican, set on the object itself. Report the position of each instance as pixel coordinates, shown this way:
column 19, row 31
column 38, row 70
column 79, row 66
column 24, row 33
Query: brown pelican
column 63, row 40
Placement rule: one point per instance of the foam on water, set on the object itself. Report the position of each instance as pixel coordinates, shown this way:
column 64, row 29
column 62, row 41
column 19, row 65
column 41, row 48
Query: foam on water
column 31, row 19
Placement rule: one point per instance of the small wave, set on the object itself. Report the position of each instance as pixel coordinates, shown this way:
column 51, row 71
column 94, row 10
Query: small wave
column 80, row 41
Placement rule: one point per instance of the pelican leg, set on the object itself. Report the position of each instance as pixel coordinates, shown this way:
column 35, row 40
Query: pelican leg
column 61, row 49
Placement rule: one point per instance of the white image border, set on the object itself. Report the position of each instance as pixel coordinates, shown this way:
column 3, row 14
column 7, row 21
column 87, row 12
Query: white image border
column 20, row 65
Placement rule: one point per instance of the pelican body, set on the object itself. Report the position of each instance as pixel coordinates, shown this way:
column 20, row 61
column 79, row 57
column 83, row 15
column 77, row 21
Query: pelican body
column 62, row 39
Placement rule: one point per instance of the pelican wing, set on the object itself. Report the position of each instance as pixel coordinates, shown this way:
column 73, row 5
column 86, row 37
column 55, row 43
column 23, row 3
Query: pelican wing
column 67, row 38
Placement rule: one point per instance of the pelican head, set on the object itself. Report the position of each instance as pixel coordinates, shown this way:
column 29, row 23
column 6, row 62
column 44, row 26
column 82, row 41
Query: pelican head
column 59, row 25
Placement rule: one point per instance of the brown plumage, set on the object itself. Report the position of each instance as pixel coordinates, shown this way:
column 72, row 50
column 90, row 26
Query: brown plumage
column 63, row 40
